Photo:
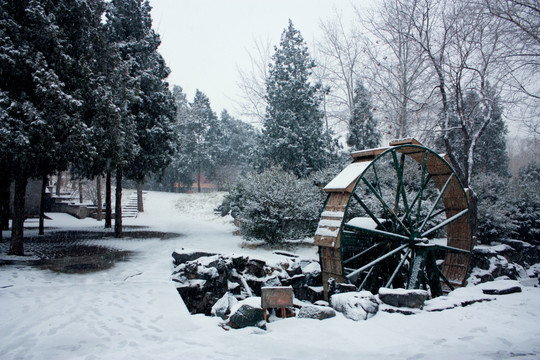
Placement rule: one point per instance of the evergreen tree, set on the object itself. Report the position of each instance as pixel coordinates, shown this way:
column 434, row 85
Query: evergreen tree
column 527, row 200
column 490, row 155
column 40, row 104
column 144, row 103
column 201, row 124
column 180, row 170
column 154, row 110
column 234, row 149
column 293, row 135
column 363, row 133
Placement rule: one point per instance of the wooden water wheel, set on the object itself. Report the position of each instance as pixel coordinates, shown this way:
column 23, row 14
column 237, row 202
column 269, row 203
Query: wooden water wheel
column 396, row 217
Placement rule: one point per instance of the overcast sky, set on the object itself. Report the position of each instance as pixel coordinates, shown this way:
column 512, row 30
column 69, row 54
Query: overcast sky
column 204, row 42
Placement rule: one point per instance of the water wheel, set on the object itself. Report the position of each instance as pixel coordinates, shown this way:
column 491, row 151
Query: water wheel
column 396, row 217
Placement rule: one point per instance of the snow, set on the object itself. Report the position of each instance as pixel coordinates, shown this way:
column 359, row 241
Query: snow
column 363, row 222
column 132, row 310
column 333, row 214
column 347, row 176
column 327, row 232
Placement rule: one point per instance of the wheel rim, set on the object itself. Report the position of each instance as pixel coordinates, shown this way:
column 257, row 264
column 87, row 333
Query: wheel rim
column 405, row 223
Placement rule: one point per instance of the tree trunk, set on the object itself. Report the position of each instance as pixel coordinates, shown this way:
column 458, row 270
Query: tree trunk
column 118, row 208
column 59, row 184
column 44, row 182
column 108, row 200
column 199, row 181
column 17, row 228
column 140, row 205
column 5, row 183
column 99, row 199
column 80, row 192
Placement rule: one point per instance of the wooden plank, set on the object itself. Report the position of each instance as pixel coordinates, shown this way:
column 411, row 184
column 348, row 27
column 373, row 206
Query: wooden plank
column 369, row 154
column 406, row 141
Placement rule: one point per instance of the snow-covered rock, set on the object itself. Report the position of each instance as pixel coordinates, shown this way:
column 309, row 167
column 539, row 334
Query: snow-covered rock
column 355, row 305
column 223, row 306
column 403, row 297
column 316, row 312
column 246, row 313
column 203, row 281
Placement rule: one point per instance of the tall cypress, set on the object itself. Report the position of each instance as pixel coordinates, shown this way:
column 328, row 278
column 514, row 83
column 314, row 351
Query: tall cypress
column 293, row 134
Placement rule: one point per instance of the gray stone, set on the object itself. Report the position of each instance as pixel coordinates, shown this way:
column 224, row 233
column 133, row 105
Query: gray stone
column 247, row 314
column 316, row 312
column 505, row 291
column 403, row 297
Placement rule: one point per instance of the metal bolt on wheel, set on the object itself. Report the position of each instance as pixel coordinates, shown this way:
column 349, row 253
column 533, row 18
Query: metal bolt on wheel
column 396, row 217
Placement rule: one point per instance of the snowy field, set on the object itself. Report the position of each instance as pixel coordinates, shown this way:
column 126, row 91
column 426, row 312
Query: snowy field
column 132, row 310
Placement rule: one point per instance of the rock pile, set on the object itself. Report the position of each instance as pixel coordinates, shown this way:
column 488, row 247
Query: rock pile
column 203, row 279
column 512, row 258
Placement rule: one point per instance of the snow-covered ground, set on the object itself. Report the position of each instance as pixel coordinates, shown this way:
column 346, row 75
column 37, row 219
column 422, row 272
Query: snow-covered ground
column 132, row 310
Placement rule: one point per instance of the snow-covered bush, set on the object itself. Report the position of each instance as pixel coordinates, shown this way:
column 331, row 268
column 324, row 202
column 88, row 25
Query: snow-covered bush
column 527, row 201
column 275, row 205
column 496, row 210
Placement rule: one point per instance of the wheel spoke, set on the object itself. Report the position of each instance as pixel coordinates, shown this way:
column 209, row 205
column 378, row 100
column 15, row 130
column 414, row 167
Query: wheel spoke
column 354, row 275
column 400, row 191
column 418, row 197
column 377, row 233
column 363, row 252
column 366, row 278
column 402, row 261
column 445, row 279
column 368, row 211
column 446, row 222
column 436, row 202
column 451, row 248
column 425, row 181
column 385, row 205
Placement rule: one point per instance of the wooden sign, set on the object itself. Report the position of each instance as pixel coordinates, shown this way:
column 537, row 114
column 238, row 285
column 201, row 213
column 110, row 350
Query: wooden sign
column 276, row 297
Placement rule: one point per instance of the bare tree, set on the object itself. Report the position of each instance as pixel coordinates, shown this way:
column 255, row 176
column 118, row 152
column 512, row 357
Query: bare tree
column 397, row 69
column 464, row 54
column 252, row 81
column 338, row 55
column 521, row 44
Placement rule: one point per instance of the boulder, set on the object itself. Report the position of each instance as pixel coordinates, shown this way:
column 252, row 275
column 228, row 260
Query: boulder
column 316, row 312
column 223, row 306
column 247, row 313
column 356, row 306
column 403, row 297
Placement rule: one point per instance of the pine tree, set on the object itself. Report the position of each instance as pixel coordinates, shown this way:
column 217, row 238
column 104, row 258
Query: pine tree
column 491, row 154
column 234, row 149
column 363, row 133
column 180, row 170
column 202, row 123
column 145, row 105
column 293, row 135
column 40, row 105
column 155, row 109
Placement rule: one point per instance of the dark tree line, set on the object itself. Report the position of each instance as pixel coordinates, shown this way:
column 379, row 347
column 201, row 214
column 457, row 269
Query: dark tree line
column 82, row 87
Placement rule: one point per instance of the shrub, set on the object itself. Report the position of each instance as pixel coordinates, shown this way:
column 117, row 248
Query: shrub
column 275, row 205
column 496, row 211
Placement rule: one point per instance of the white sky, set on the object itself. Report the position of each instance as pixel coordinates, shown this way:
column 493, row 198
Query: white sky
column 204, row 42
